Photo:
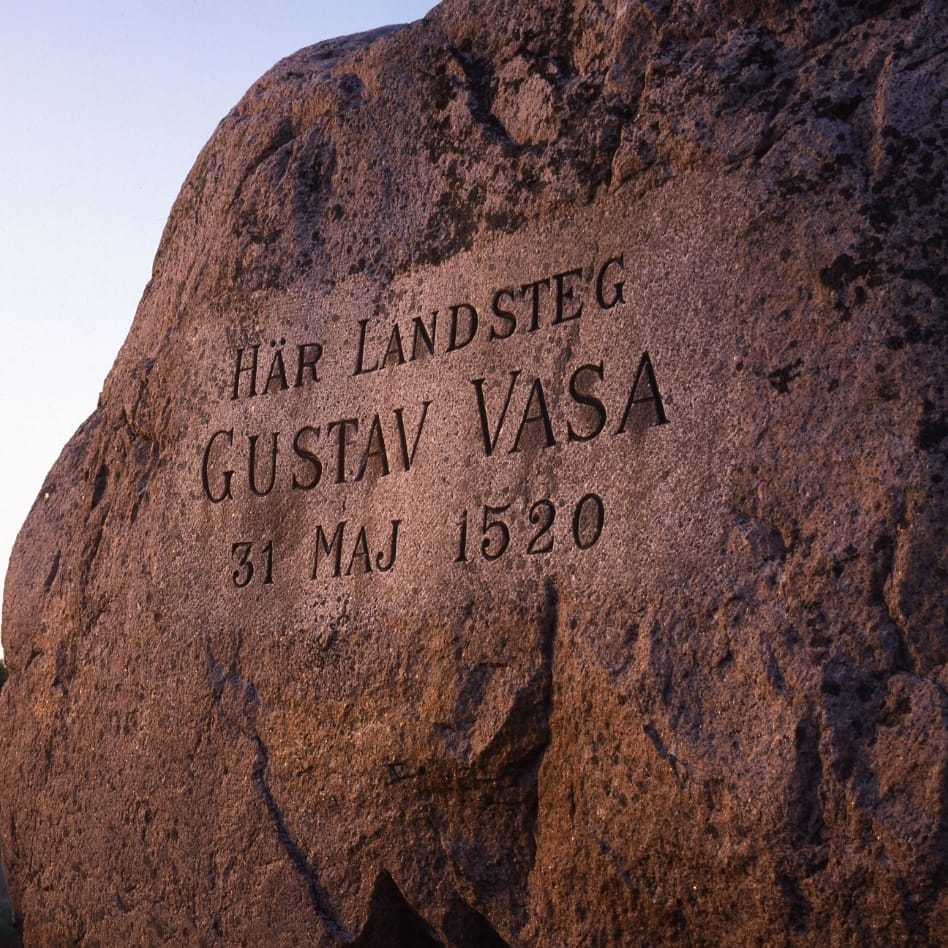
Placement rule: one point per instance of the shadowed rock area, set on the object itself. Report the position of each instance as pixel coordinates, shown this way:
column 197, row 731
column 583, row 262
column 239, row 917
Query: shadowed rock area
column 517, row 514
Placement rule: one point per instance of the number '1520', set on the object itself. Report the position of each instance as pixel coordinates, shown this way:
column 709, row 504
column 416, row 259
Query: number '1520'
column 491, row 536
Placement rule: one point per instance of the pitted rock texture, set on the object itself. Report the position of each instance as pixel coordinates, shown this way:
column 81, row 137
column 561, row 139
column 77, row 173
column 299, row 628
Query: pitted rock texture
column 725, row 720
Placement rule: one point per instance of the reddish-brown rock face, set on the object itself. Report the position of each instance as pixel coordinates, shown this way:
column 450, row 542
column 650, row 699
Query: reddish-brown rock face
column 517, row 513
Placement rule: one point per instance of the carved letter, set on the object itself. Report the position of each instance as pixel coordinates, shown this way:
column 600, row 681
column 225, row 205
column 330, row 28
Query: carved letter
column 490, row 441
column 374, row 449
column 542, row 415
column 645, row 367
column 535, row 312
column 505, row 314
column 328, row 548
column 564, row 294
column 408, row 458
column 309, row 457
column 361, row 552
column 584, row 398
column 307, row 356
column 617, row 287
column 421, row 334
column 382, row 566
column 394, row 350
column 241, row 369
column 205, row 480
column 453, row 342
column 277, row 371
column 343, row 425
column 252, row 464
column 360, row 355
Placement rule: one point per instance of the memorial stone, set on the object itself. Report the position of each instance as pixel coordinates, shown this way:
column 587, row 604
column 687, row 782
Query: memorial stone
column 516, row 516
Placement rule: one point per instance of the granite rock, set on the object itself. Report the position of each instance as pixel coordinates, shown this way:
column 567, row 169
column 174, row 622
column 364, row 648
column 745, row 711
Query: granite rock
column 516, row 515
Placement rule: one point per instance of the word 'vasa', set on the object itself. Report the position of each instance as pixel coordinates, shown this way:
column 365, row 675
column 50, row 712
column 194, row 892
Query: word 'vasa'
column 259, row 462
column 587, row 416
column 554, row 300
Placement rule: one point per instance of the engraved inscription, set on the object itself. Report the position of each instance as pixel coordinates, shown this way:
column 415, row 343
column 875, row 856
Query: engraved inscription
column 548, row 301
column 511, row 410
column 244, row 574
column 251, row 379
column 531, row 408
column 494, row 524
column 343, row 450
column 363, row 553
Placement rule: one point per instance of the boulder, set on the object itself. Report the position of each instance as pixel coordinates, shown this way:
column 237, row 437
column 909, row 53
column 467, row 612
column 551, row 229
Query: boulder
column 516, row 516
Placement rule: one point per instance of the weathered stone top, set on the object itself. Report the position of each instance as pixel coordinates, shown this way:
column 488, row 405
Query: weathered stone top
column 516, row 515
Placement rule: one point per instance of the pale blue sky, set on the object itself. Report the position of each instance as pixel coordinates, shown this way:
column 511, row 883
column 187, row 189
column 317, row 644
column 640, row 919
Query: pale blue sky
column 105, row 106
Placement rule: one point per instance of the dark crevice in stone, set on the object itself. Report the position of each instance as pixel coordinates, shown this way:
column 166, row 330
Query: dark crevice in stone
column 549, row 620
column 932, row 430
column 65, row 666
column 467, row 928
column 663, row 752
column 101, row 482
column 392, row 922
column 318, row 896
column 89, row 554
column 283, row 134
column 798, row 907
column 51, row 575
column 477, row 72
column 221, row 677
column 781, row 378
column 807, row 826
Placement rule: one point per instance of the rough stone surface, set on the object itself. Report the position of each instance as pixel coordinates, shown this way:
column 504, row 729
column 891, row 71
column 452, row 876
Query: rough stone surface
column 721, row 722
